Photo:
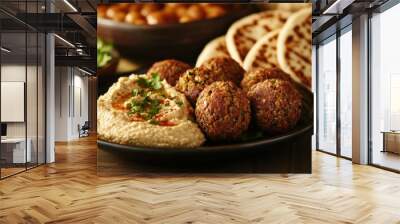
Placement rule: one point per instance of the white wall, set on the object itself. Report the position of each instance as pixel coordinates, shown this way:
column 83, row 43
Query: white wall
column 70, row 83
column 61, row 103
column 12, row 73
column 80, row 102
column 33, row 127
column 9, row 73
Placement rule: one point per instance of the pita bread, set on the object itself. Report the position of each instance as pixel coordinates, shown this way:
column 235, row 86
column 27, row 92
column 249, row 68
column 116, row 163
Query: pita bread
column 263, row 53
column 293, row 7
column 214, row 48
column 244, row 33
column 294, row 47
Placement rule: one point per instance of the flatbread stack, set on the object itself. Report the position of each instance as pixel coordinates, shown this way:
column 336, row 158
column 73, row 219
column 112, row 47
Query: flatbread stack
column 214, row 48
column 243, row 34
column 263, row 53
column 273, row 38
column 294, row 47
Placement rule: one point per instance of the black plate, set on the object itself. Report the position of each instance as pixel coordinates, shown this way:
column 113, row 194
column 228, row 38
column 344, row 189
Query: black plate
column 303, row 129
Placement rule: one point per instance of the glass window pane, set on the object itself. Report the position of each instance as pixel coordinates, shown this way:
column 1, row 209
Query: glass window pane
column 385, row 84
column 15, row 151
column 22, row 87
column 346, row 94
column 327, row 96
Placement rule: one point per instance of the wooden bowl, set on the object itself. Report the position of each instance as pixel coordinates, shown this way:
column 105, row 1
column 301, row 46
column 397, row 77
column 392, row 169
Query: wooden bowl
column 178, row 40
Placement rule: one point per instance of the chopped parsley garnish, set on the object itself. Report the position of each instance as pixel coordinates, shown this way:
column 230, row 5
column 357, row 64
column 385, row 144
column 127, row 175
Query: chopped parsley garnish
column 152, row 121
column 154, row 83
column 142, row 103
column 143, row 82
column 155, row 107
column 145, row 107
column 103, row 53
column 179, row 102
column 137, row 92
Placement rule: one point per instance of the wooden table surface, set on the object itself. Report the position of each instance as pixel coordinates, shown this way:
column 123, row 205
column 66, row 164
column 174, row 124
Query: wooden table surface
column 70, row 191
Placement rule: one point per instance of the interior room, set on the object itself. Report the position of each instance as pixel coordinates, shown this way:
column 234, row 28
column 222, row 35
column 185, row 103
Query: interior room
column 42, row 77
column 72, row 103
column 23, row 97
column 341, row 164
column 384, row 113
column 335, row 75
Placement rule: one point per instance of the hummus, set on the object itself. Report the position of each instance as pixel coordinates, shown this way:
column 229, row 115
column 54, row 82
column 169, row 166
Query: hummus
column 142, row 110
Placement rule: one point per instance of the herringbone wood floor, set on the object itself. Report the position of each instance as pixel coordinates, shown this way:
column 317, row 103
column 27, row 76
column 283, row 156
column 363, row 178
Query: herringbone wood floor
column 69, row 191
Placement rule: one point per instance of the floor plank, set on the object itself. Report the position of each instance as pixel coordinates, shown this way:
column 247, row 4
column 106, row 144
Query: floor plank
column 69, row 191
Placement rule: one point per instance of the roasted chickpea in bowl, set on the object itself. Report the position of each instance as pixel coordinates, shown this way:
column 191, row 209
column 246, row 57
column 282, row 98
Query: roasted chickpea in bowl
column 159, row 31
column 153, row 14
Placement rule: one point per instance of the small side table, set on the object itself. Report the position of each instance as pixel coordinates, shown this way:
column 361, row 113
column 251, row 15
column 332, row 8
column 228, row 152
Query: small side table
column 391, row 141
column 16, row 150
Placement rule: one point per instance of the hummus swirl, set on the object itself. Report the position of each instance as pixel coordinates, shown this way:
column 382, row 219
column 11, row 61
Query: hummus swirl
column 142, row 110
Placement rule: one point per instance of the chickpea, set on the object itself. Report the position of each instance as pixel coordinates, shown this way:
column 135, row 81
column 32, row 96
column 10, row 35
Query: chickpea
column 185, row 19
column 115, row 13
column 174, row 5
column 160, row 17
column 135, row 7
column 169, row 9
column 123, row 6
column 155, row 18
column 213, row 11
column 140, row 21
column 181, row 11
column 133, row 17
column 101, row 11
column 149, row 8
column 172, row 18
column 196, row 12
column 155, row 13
column 172, row 8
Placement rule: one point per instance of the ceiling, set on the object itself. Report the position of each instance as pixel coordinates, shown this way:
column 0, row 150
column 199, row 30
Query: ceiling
column 40, row 5
column 72, row 20
column 332, row 15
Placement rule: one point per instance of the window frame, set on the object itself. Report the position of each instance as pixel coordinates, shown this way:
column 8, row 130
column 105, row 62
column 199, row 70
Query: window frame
column 31, row 30
column 337, row 34
column 381, row 9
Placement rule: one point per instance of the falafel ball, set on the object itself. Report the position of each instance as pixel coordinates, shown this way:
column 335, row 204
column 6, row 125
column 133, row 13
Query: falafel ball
column 226, row 67
column 276, row 105
column 223, row 111
column 169, row 69
column 194, row 81
column 258, row 75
